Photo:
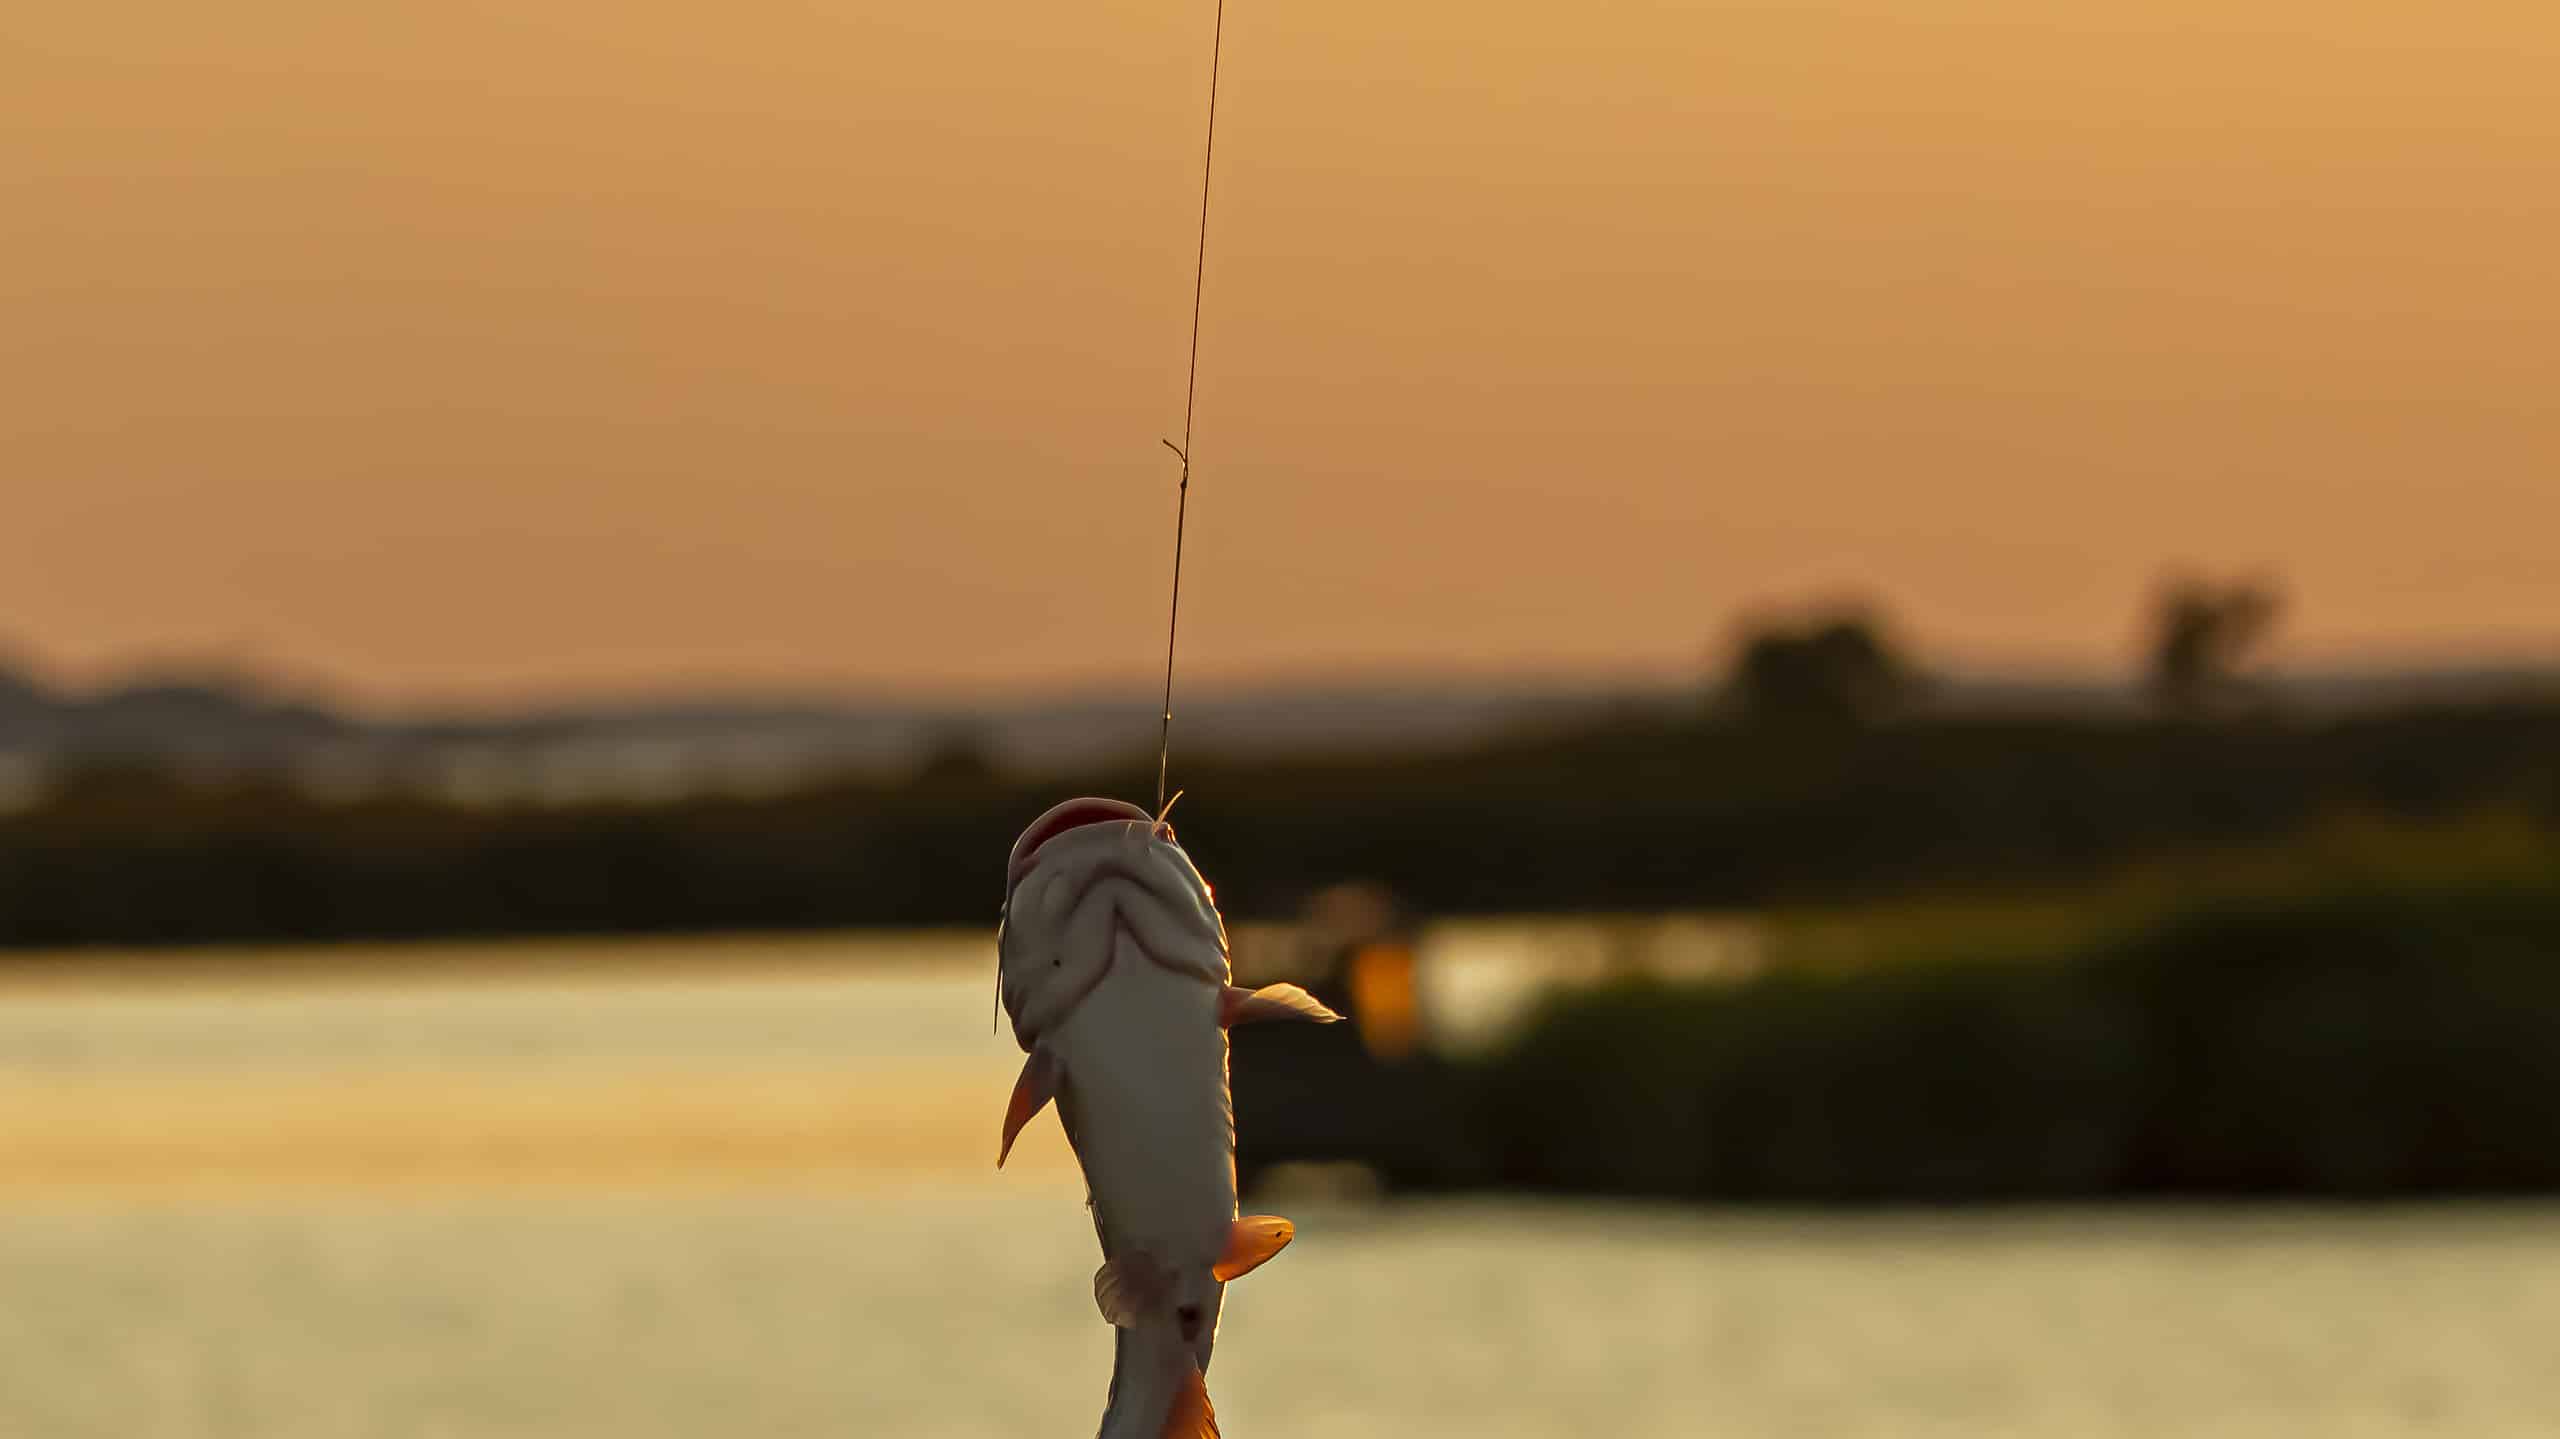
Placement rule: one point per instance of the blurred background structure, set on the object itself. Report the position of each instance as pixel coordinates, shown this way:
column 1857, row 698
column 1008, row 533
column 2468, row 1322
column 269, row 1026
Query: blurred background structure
column 1901, row 661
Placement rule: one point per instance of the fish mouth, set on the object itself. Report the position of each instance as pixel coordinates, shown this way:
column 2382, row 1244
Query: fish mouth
column 1071, row 815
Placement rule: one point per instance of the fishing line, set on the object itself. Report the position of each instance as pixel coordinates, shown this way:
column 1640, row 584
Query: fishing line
column 1190, row 398
column 1182, row 452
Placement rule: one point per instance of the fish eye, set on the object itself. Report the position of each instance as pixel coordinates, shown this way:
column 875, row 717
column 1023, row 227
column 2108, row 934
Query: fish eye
column 1189, row 1314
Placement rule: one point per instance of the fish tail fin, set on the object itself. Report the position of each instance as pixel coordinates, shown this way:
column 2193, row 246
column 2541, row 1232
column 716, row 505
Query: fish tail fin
column 1191, row 1417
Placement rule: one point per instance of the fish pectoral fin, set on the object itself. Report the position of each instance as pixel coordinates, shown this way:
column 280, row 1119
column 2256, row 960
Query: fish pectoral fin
column 1191, row 1417
column 1272, row 1001
column 1251, row 1241
column 1032, row 1091
column 1126, row 1287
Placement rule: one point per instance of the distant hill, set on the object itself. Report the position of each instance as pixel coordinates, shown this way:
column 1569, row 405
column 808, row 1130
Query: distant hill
column 649, row 746
column 227, row 722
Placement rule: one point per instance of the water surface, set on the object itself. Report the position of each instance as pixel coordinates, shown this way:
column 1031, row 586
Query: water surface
column 751, row 1193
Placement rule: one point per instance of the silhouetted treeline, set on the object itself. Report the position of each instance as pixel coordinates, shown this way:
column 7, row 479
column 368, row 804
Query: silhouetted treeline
column 2367, row 1042
column 1644, row 814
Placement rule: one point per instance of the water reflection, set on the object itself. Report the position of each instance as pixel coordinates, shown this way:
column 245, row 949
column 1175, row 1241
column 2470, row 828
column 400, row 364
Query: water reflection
column 599, row 1191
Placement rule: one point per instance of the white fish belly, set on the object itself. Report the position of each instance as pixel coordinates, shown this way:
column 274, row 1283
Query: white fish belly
column 1146, row 1063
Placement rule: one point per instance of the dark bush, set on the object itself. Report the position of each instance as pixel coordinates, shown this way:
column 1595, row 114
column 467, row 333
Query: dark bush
column 2357, row 1044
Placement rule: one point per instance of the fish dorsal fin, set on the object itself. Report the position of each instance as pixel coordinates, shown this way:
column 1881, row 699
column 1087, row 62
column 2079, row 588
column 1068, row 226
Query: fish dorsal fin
column 1032, row 1091
column 1272, row 1001
column 1191, row 1417
column 1125, row 1288
column 1251, row 1241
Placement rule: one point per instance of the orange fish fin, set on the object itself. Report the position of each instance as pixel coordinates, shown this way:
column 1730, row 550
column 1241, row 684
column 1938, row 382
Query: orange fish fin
column 1272, row 1001
column 1250, row 1242
column 1191, row 1417
column 1126, row 1287
column 1032, row 1091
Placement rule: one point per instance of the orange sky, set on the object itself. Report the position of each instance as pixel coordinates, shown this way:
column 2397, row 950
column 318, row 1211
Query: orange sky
column 464, row 350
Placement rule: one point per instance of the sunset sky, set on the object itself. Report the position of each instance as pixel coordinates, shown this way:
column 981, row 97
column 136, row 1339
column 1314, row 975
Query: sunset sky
column 465, row 351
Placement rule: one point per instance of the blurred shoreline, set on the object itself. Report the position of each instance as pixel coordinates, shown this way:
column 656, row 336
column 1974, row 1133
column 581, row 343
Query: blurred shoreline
column 1702, row 811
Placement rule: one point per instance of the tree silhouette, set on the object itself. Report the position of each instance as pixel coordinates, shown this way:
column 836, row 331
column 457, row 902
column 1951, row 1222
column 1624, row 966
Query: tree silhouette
column 958, row 753
column 2203, row 636
column 1834, row 669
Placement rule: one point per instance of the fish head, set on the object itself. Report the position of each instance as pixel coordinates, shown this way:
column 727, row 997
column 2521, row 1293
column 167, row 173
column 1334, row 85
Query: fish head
column 1071, row 815
column 1083, row 873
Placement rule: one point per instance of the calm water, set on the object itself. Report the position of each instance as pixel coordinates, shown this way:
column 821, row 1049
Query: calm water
column 594, row 1199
